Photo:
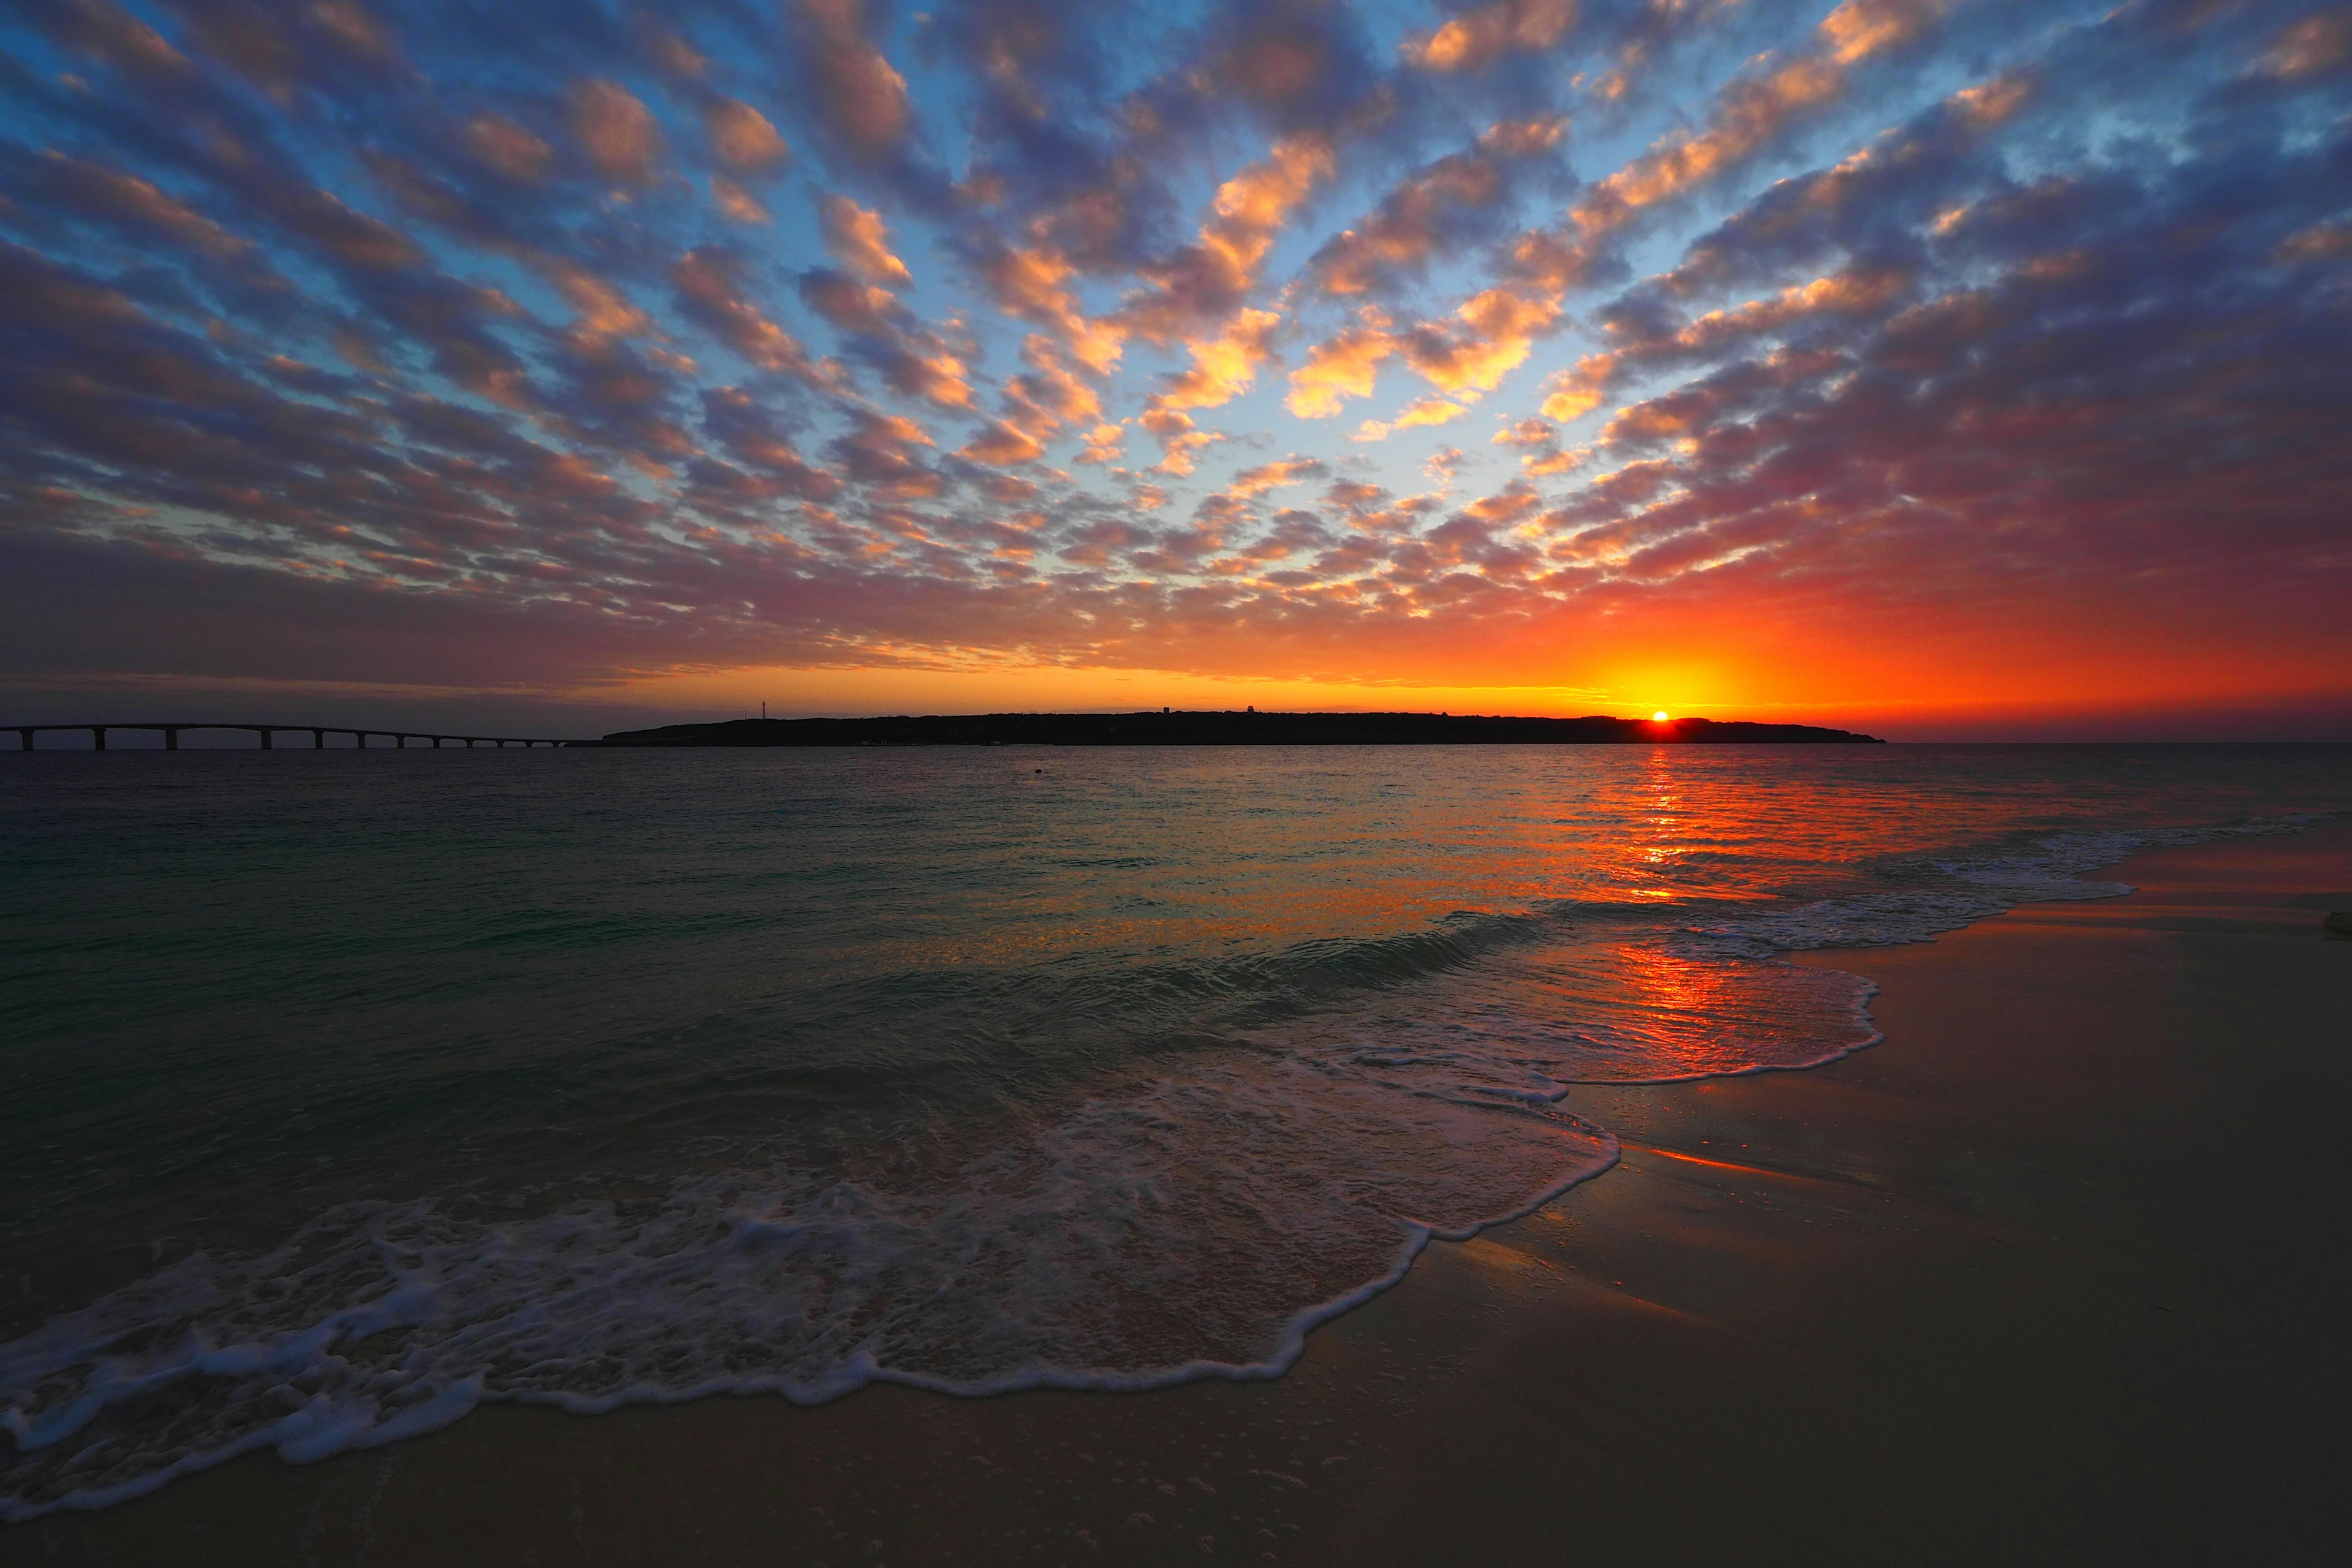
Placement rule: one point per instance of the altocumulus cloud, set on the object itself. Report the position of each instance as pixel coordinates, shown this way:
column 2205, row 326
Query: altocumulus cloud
column 554, row 344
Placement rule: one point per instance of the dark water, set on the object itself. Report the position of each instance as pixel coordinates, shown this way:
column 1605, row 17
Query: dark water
column 340, row 1091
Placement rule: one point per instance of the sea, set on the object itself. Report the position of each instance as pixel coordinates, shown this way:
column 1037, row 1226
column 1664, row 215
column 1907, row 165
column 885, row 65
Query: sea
column 341, row 1092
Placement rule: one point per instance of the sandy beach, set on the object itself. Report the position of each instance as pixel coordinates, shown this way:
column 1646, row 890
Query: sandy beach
column 2049, row 1276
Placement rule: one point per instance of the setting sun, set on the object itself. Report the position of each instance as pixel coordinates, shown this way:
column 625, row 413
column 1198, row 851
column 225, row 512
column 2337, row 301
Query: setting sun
column 1659, row 717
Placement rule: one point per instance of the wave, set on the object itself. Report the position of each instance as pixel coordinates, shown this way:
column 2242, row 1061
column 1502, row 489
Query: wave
column 1166, row 1227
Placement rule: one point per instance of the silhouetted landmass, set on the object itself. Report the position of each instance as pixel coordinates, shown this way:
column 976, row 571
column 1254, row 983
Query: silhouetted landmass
column 1226, row 728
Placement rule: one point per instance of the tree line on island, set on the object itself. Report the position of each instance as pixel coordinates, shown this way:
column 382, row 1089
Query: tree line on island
column 1247, row 727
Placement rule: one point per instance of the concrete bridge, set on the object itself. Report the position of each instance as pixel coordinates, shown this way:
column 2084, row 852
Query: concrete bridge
column 269, row 733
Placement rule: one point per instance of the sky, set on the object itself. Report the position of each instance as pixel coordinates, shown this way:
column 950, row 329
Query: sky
column 1942, row 368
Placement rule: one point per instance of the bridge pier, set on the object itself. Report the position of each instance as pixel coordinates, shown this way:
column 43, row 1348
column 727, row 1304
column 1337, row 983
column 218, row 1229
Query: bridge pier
column 98, row 737
column 23, row 739
column 317, row 740
column 268, row 738
column 171, row 738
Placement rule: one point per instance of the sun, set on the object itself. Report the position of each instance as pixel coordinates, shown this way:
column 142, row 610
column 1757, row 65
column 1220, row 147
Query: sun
column 1659, row 717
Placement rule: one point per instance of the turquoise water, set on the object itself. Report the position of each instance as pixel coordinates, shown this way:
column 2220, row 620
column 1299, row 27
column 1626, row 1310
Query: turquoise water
column 341, row 1091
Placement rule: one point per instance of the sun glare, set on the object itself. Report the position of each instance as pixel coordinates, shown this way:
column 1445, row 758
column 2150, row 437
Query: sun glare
column 1659, row 717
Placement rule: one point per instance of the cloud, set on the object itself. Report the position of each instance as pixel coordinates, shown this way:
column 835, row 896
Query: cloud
column 2317, row 46
column 711, row 291
column 860, row 95
column 1178, row 438
column 508, row 149
column 1951, row 337
column 618, row 133
column 1437, row 209
column 909, row 357
column 1490, row 335
column 877, row 451
column 1274, row 476
column 738, row 204
column 1103, row 444
column 1032, row 284
column 1420, row 412
column 107, row 32
column 1002, row 445
column 1195, row 292
column 858, row 239
column 743, row 138
column 1479, row 37
column 1341, row 367
column 139, row 206
column 1224, row 367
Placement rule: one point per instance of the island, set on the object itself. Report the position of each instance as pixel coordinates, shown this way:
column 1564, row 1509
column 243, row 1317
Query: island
column 1246, row 727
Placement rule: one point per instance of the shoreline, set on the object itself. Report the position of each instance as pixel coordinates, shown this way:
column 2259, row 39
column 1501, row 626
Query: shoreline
column 1979, row 1290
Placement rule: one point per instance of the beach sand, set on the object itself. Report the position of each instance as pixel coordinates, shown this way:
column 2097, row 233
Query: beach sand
column 2051, row 1275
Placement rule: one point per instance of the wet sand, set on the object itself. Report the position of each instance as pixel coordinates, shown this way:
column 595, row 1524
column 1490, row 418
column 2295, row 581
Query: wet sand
column 2052, row 1275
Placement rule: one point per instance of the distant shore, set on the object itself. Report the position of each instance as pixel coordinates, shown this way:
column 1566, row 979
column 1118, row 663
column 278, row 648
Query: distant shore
column 1170, row 727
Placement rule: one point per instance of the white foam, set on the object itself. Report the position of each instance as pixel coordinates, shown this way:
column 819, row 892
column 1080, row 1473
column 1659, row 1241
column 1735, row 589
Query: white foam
column 1958, row 890
column 1194, row 1223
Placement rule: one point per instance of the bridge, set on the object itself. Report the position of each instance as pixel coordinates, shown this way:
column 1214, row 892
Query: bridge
column 269, row 733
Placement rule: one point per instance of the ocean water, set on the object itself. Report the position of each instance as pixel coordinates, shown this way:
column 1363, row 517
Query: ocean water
column 341, row 1092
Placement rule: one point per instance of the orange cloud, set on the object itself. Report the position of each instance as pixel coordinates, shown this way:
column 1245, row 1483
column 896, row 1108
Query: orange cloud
column 1002, row 445
column 1103, row 444
column 2312, row 48
column 1480, row 36
column 707, row 285
column 1177, row 436
column 1422, row 411
column 1490, row 336
column 1266, row 477
column 1193, row 295
column 618, row 132
column 742, row 136
column 1753, row 110
column 1341, row 367
column 1224, row 367
column 858, row 239
column 601, row 312
column 1029, row 284
column 735, row 202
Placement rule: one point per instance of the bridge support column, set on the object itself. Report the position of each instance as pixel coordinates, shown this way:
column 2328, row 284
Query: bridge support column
column 171, row 739
column 98, row 737
column 23, row 739
column 269, row 739
column 317, row 740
